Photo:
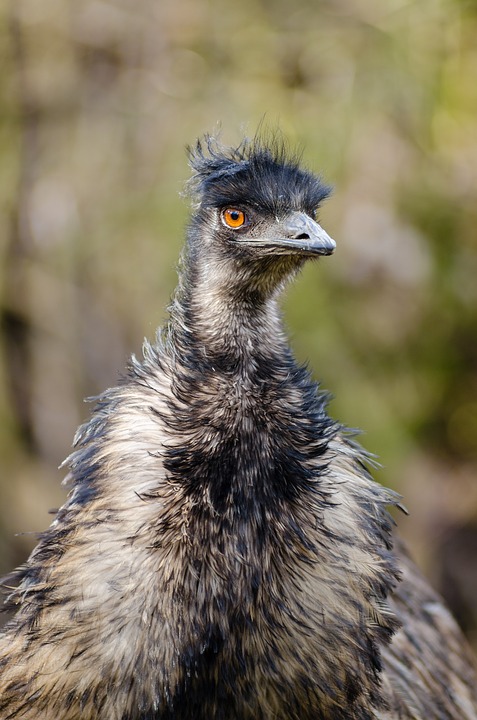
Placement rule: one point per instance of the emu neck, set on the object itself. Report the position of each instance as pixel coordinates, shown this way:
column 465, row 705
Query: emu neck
column 240, row 396
column 225, row 320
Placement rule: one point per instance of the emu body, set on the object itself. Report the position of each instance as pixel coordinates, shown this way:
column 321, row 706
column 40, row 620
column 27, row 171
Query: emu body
column 223, row 552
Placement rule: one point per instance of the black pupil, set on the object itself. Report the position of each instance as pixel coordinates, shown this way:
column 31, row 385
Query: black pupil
column 235, row 214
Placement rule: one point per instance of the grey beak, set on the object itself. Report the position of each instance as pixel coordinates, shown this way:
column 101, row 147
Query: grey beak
column 302, row 233
column 297, row 232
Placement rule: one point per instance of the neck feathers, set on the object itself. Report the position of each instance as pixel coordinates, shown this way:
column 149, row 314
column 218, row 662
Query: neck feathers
column 224, row 316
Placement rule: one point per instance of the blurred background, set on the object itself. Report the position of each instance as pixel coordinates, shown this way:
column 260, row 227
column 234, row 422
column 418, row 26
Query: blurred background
column 97, row 102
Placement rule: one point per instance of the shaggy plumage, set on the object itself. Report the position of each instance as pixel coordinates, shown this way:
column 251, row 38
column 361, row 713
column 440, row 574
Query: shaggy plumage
column 223, row 552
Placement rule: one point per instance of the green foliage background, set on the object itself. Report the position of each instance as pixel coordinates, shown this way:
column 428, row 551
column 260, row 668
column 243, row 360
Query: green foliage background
column 98, row 100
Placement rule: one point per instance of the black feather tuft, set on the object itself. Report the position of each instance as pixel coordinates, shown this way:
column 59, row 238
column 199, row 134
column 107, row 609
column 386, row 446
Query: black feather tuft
column 260, row 172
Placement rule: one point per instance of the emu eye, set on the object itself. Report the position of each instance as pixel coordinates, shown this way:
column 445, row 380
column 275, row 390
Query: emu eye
column 233, row 218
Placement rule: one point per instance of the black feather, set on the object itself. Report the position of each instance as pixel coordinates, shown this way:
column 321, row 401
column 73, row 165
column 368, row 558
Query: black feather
column 263, row 174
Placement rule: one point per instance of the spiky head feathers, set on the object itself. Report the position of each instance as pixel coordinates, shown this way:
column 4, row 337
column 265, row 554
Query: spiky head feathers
column 261, row 174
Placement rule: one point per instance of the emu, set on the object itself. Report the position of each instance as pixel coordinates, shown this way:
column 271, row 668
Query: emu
column 223, row 552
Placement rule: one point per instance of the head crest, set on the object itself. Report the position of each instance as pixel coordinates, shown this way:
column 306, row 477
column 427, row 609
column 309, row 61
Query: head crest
column 261, row 171
column 212, row 161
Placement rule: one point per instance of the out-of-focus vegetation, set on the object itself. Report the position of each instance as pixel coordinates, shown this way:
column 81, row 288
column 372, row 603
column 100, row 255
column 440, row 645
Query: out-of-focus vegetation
column 97, row 101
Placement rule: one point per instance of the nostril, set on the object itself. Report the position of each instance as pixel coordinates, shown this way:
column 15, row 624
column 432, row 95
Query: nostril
column 303, row 236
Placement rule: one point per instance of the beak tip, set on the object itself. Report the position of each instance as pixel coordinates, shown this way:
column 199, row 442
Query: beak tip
column 316, row 239
column 324, row 244
column 330, row 246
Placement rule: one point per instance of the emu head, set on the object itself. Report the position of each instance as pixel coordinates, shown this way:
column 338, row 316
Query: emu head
column 256, row 215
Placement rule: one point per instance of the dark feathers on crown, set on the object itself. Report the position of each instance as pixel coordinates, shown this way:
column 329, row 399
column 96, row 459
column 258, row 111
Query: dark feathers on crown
column 259, row 172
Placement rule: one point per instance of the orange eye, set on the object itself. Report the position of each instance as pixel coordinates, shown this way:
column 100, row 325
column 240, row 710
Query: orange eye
column 233, row 218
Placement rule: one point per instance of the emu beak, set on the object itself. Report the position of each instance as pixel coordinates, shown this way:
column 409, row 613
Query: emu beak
column 296, row 233
column 299, row 232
